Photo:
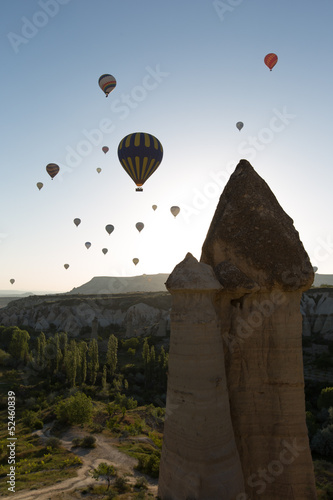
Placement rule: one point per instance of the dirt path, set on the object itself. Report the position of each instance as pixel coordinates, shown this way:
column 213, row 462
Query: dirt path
column 105, row 451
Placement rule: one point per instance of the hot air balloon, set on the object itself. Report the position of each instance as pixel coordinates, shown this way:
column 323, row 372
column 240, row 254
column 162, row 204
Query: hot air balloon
column 105, row 251
column 154, row 207
column 39, row 185
column 105, row 149
column 87, row 244
column 315, row 269
column 12, row 281
column 135, row 261
column 239, row 125
column 270, row 60
column 77, row 222
column 52, row 169
column 66, row 266
column 175, row 211
column 107, row 83
column 99, row 170
column 109, row 228
column 140, row 155
column 139, row 226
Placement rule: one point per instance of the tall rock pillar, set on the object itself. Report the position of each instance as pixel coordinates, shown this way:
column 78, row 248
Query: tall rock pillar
column 262, row 335
column 199, row 455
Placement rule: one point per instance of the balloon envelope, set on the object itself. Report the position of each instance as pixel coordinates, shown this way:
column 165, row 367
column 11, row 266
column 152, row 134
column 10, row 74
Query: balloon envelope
column 99, row 170
column 135, row 261
column 175, row 211
column 12, row 281
column 154, row 207
column 139, row 226
column 105, row 251
column 140, row 154
column 315, row 269
column 239, row 125
column 105, row 149
column 66, row 266
column 87, row 244
column 39, row 185
column 270, row 60
column 77, row 222
column 107, row 83
column 52, row 169
column 109, row 228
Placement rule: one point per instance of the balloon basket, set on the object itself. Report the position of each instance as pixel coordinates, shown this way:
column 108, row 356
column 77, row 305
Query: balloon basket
column 139, row 189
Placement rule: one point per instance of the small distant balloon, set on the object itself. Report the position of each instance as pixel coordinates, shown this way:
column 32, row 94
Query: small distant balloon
column 109, row 228
column 105, row 250
column 175, row 211
column 270, row 60
column 87, row 244
column 66, row 266
column 107, row 83
column 239, row 125
column 52, row 169
column 154, row 207
column 99, row 170
column 77, row 222
column 315, row 269
column 139, row 226
column 39, row 185
column 12, row 281
column 105, row 149
column 135, row 261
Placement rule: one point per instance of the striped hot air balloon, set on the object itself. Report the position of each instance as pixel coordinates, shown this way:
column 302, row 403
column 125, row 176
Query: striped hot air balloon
column 52, row 169
column 140, row 154
column 107, row 83
column 270, row 60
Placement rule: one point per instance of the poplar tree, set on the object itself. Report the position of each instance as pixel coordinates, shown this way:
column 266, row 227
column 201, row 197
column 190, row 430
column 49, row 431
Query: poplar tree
column 112, row 354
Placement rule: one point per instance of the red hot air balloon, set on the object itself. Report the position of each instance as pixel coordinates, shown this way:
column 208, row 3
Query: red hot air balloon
column 105, row 149
column 270, row 60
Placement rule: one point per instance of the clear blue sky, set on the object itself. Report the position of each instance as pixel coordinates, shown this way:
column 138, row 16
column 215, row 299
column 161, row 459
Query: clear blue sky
column 187, row 71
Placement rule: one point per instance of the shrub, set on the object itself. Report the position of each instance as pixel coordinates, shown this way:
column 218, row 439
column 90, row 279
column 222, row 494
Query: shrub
column 52, row 442
column 88, row 442
column 149, row 464
column 141, row 484
column 121, row 484
column 322, row 442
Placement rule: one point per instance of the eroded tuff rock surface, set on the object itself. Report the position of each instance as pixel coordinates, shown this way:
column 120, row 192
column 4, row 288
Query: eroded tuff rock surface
column 261, row 326
column 199, row 457
column 251, row 230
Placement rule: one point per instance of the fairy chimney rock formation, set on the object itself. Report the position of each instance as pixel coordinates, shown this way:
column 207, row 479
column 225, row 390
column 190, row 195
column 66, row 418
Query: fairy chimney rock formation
column 261, row 263
column 199, row 456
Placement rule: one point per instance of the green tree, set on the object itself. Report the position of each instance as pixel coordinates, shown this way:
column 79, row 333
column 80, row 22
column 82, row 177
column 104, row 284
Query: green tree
column 112, row 354
column 146, row 360
column 93, row 363
column 76, row 409
column 104, row 377
column 71, row 362
column 325, row 399
column 19, row 345
column 41, row 345
column 105, row 471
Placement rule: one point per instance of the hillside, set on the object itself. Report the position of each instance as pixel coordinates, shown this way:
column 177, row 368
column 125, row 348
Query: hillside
column 117, row 284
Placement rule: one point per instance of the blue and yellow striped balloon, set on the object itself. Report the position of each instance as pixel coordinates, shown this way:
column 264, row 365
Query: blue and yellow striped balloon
column 140, row 155
column 107, row 83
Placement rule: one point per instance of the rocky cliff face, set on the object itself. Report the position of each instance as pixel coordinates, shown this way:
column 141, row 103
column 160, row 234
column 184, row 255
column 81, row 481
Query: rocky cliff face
column 257, row 256
column 137, row 314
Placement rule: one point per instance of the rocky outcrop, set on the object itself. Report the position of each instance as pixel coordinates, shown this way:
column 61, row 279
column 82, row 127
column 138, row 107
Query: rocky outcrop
column 136, row 314
column 263, row 332
column 199, row 458
column 255, row 253
column 122, row 284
